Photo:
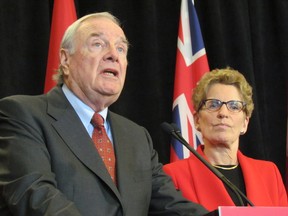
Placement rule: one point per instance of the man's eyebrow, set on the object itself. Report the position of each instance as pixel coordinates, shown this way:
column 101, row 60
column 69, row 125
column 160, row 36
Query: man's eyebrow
column 96, row 34
column 124, row 40
column 100, row 34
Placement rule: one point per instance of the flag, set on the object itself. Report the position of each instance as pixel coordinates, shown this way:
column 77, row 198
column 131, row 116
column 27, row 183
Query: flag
column 286, row 181
column 64, row 14
column 191, row 64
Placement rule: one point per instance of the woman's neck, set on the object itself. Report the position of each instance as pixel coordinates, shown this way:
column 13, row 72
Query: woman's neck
column 221, row 154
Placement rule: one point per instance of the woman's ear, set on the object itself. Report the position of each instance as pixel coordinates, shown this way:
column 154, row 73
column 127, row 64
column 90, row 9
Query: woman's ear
column 196, row 121
column 245, row 125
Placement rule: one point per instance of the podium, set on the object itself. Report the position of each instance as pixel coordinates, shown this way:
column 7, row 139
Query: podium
column 249, row 211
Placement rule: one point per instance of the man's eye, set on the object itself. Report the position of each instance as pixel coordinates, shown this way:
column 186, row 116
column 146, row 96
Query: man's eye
column 97, row 44
column 121, row 49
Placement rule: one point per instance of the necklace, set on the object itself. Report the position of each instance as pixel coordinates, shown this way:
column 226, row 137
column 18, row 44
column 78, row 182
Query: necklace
column 226, row 168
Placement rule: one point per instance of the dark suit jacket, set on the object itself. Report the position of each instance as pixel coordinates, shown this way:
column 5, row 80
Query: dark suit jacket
column 49, row 165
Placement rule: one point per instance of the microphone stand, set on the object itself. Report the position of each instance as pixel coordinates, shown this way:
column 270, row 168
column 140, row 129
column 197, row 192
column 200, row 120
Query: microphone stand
column 175, row 132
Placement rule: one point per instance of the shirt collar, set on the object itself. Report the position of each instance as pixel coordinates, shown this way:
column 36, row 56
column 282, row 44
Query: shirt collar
column 84, row 112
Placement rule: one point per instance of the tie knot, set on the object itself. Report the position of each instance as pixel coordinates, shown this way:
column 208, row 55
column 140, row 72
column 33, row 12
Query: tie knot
column 97, row 120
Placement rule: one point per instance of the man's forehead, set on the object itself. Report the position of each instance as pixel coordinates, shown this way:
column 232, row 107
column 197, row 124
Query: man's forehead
column 99, row 22
column 100, row 26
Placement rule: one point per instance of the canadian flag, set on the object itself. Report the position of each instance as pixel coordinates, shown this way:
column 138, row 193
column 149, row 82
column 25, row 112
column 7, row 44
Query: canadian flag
column 64, row 14
column 286, row 183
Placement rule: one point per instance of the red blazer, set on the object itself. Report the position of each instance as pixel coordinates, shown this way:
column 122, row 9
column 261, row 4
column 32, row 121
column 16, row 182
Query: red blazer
column 264, row 185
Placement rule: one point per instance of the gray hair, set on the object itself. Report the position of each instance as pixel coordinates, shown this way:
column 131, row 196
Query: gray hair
column 68, row 38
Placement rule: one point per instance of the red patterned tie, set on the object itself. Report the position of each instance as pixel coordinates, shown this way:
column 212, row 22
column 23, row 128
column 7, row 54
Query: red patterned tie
column 103, row 144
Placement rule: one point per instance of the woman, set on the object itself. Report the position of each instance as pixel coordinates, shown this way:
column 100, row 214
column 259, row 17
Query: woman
column 223, row 104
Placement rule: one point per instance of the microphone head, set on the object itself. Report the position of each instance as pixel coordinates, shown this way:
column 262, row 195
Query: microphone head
column 167, row 128
column 175, row 128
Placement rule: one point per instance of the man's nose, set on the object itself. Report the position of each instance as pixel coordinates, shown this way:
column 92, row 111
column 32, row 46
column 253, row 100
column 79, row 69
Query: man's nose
column 111, row 54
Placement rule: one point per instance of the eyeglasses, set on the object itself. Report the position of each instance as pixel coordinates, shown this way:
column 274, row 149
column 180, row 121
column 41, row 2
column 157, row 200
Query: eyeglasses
column 215, row 105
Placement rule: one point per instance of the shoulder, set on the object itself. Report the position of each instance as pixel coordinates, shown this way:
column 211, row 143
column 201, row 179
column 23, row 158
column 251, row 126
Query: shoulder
column 16, row 103
column 23, row 106
column 183, row 164
column 260, row 165
column 177, row 166
column 117, row 120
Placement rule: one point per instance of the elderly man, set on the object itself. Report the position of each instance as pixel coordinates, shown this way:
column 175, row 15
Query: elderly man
column 65, row 153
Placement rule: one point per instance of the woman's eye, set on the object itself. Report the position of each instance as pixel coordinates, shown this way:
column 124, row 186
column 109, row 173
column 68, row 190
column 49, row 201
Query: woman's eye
column 214, row 105
column 234, row 106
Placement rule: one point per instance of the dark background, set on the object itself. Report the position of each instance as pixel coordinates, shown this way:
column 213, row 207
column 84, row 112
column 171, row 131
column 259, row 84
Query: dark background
column 248, row 35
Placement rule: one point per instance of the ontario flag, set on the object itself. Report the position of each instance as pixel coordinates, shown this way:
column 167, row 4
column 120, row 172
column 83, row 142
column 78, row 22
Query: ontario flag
column 191, row 64
column 64, row 14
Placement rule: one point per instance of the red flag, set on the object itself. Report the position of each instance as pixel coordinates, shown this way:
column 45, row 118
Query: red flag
column 64, row 14
column 286, row 181
column 191, row 64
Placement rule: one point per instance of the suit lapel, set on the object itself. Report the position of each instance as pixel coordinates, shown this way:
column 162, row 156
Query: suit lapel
column 71, row 130
column 123, row 151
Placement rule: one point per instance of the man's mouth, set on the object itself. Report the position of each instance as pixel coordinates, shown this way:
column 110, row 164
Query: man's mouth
column 110, row 72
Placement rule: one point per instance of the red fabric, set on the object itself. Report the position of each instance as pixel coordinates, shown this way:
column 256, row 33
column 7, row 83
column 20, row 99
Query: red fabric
column 103, row 145
column 263, row 182
column 191, row 65
column 64, row 14
column 287, row 153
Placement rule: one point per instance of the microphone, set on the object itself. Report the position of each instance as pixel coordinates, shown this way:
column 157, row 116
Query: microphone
column 173, row 130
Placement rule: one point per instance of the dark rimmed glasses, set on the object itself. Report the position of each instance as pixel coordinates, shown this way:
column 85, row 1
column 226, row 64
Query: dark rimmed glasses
column 215, row 105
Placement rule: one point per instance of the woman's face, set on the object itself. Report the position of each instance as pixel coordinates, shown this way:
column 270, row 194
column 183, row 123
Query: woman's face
column 221, row 127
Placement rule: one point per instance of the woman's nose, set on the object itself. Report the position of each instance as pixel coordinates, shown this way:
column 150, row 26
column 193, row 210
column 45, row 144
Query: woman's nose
column 223, row 111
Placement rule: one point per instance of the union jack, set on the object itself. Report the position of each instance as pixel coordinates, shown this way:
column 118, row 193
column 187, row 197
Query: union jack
column 191, row 64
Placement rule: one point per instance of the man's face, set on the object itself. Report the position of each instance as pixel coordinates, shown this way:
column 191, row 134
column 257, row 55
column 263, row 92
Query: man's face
column 97, row 69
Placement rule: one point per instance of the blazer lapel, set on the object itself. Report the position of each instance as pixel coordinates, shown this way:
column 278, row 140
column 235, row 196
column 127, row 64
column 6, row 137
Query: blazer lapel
column 120, row 146
column 123, row 150
column 71, row 130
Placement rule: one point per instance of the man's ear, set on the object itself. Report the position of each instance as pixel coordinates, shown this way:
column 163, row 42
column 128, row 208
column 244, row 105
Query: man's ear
column 64, row 60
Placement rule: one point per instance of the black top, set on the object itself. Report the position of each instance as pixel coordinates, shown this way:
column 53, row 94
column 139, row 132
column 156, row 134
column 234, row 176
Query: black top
column 236, row 177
